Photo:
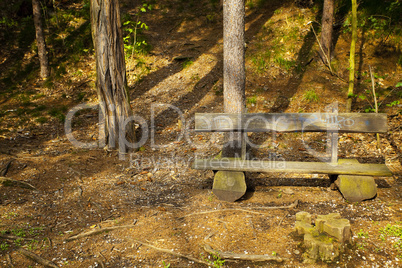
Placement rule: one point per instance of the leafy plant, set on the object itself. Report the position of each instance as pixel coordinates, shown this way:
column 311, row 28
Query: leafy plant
column 187, row 63
column 18, row 232
column 394, row 103
column 4, row 246
column 165, row 265
column 18, row 242
column 133, row 42
column 369, row 110
column 32, row 244
column 362, row 234
column 394, row 231
column 216, row 261
column 252, row 100
column 310, row 96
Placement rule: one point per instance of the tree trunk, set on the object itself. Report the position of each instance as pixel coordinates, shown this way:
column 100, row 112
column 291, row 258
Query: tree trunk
column 111, row 75
column 234, row 77
column 40, row 40
column 326, row 31
column 352, row 57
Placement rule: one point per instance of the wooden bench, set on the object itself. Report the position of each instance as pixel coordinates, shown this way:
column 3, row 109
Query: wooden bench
column 229, row 186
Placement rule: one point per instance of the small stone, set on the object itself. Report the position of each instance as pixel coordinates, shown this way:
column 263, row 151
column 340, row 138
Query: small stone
column 287, row 191
column 297, row 252
column 303, row 217
column 303, row 227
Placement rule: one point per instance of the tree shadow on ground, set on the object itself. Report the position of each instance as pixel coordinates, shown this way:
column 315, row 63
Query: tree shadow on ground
column 256, row 19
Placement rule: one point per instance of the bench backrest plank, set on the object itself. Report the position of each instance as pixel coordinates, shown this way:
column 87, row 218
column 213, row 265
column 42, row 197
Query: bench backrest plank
column 292, row 122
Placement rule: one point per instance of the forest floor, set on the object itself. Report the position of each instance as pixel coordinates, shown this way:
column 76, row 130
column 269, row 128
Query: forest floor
column 138, row 204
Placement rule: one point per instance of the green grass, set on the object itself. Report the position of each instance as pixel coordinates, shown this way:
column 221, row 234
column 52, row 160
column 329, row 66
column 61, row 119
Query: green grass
column 252, row 100
column 187, row 63
column 286, row 64
column 4, row 246
column 395, row 232
column 310, row 96
column 58, row 112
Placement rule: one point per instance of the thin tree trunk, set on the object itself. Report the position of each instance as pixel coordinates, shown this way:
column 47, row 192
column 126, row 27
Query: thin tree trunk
column 233, row 67
column 111, row 74
column 326, row 31
column 40, row 40
column 352, row 57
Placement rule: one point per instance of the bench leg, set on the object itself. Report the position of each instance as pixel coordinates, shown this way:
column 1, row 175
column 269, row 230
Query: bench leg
column 229, row 185
column 355, row 188
column 332, row 179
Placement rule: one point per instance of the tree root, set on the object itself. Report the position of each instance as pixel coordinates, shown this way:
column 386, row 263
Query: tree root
column 4, row 171
column 10, row 261
column 243, row 257
column 293, row 205
column 97, row 231
column 10, row 182
column 171, row 252
column 37, row 258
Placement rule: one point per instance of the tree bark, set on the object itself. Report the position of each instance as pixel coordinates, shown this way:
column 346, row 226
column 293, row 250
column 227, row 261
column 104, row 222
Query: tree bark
column 326, row 31
column 40, row 40
column 111, row 81
column 234, row 77
column 352, row 57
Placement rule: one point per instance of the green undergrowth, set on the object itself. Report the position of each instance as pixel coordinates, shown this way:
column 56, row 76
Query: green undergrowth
column 25, row 235
column 393, row 233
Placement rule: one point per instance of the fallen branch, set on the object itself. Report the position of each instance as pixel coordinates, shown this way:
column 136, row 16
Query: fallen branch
column 243, row 257
column 13, row 237
column 171, row 252
column 10, row 261
column 375, row 105
column 97, row 231
column 4, row 171
column 10, row 182
column 37, row 258
column 328, row 63
column 293, row 205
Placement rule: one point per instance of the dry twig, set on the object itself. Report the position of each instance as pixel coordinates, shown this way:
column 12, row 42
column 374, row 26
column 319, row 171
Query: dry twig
column 244, row 257
column 375, row 105
column 4, row 171
column 37, row 258
column 10, row 182
column 10, row 262
column 293, row 205
column 170, row 252
column 97, row 231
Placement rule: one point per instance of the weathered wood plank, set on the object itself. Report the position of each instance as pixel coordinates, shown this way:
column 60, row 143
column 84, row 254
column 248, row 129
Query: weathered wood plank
column 292, row 122
column 292, row 167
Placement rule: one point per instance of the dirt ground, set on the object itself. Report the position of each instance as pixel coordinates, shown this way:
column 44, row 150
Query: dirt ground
column 163, row 205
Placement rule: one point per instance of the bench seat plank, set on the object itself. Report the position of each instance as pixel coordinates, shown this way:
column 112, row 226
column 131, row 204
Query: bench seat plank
column 292, row 167
column 292, row 122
